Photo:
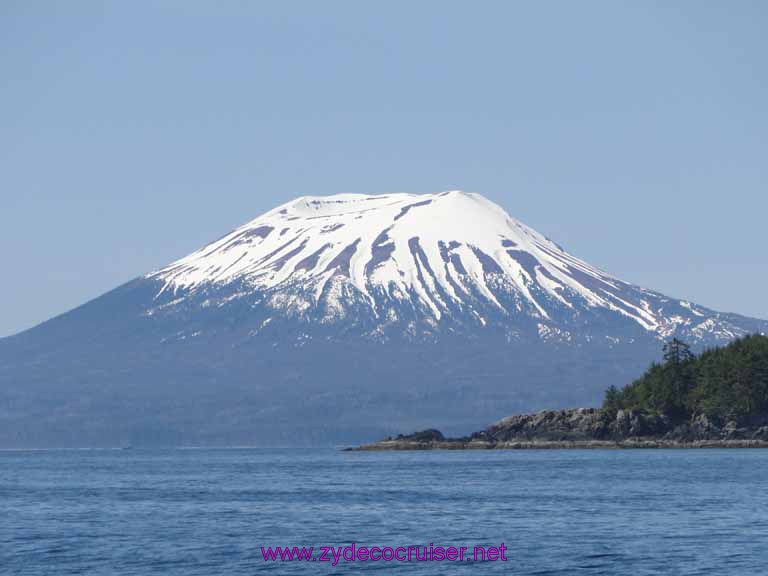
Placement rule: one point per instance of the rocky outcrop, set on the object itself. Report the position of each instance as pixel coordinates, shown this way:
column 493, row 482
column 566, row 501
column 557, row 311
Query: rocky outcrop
column 592, row 428
column 551, row 425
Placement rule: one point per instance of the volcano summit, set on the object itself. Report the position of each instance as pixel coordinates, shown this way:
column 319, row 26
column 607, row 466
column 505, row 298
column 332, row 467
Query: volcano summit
column 337, row 319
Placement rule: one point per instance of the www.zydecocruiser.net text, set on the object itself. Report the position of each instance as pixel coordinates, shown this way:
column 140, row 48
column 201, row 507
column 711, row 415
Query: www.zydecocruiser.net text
column 355, row 553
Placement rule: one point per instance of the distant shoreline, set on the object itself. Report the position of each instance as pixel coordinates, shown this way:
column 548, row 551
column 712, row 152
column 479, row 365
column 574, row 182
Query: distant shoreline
column 399, row 445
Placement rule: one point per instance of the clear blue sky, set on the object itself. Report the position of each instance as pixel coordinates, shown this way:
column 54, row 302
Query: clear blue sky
column 633, row 133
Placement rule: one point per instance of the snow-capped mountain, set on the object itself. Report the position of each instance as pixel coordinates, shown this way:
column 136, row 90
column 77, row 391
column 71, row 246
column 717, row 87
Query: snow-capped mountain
column 444, row 258
column 342, row 319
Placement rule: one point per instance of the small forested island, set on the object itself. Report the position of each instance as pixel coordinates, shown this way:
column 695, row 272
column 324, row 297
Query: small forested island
column 717, row 399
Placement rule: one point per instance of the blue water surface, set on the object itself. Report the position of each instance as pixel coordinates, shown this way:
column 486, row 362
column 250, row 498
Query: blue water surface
column 209, row 512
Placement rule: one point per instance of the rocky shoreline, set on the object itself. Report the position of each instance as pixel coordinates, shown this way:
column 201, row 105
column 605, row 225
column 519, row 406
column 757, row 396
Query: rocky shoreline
column 589, row 428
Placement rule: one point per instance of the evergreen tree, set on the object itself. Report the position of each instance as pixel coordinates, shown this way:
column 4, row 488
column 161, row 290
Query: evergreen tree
column 677, row 352
column 612, row 402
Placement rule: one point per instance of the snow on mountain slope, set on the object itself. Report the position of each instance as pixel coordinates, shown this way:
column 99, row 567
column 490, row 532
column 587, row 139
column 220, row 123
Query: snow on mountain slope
column 441, row 253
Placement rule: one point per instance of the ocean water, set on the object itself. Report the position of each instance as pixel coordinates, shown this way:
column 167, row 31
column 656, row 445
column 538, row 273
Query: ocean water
column 209, row 512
